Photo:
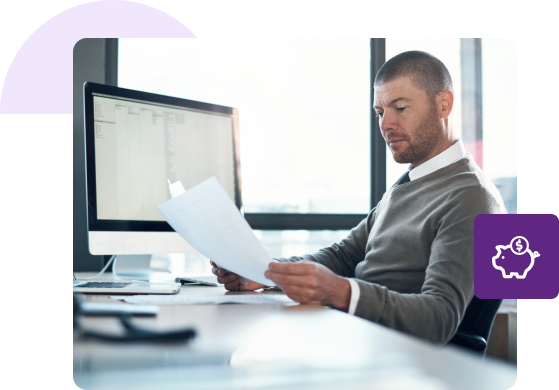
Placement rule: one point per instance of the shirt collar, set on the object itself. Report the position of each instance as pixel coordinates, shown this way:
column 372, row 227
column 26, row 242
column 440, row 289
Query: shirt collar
column 441, row 160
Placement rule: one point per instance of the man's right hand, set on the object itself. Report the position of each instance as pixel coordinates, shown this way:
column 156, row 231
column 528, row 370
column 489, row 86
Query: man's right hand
column 231, row 280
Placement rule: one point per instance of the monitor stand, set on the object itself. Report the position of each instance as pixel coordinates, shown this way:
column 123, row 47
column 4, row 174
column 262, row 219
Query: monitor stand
column 133, row 266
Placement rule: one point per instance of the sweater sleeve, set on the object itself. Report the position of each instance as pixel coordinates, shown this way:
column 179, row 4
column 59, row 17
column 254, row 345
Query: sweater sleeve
column 342, row 258
column 436, row 312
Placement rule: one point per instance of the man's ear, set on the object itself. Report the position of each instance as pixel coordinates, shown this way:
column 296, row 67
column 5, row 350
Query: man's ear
column 445, row 103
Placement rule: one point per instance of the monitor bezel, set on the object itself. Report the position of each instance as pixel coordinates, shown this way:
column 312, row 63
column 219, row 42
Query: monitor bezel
column 89, row 88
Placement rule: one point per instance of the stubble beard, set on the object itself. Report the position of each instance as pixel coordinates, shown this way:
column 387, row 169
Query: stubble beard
column 424, row 137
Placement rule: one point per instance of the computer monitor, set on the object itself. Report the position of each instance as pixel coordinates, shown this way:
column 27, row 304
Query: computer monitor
column 134, row 143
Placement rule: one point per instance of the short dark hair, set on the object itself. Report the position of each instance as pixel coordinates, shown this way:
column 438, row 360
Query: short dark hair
column 426, row 71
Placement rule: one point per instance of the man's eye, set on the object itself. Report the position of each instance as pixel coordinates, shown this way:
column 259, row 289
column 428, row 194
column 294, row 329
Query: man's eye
column 379, row 115
column 400, row 109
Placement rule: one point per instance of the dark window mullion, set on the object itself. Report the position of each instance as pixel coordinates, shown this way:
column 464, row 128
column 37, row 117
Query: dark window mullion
column 278, row 221
column 111, row 61
column 378, row 145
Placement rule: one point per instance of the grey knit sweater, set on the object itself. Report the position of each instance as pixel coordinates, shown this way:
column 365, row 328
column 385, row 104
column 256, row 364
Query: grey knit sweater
column 413, row 256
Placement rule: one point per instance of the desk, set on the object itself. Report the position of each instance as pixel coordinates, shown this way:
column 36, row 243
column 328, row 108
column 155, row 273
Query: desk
column 275, row 347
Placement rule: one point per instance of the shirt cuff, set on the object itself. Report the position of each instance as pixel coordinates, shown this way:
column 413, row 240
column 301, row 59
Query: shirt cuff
column 355, row 293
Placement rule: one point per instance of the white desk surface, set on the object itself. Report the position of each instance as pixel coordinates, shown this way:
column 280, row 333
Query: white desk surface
column 274, row 347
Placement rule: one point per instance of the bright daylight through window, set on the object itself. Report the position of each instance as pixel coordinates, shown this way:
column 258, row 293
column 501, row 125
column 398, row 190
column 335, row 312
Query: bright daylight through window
column 303, row 112
column 499, row 116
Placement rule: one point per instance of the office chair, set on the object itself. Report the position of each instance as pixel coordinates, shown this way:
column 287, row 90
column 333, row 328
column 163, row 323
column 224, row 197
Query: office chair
column 475, row 328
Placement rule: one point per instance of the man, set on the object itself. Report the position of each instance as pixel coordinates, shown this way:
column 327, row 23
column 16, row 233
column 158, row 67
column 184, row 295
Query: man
column 410, row 264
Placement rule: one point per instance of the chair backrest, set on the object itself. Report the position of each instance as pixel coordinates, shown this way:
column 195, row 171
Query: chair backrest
column 478, row 321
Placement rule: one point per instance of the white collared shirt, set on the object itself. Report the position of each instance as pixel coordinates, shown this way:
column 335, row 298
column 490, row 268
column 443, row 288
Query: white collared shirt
column 441, row 160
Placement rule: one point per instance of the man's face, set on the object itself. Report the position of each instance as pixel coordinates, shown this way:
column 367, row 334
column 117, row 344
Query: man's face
column 408, row 120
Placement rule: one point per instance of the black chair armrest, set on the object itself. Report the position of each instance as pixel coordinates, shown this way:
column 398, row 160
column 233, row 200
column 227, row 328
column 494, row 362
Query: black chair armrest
column 469, row 340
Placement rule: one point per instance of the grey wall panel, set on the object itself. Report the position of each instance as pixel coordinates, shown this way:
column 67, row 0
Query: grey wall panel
column 89, row 65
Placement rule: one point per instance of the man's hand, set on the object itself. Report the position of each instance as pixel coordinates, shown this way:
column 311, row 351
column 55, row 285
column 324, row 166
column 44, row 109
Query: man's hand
column 231, row 280
column 310, row 282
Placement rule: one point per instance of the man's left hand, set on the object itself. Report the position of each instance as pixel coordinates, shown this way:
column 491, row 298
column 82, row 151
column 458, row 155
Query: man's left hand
column 311, row 283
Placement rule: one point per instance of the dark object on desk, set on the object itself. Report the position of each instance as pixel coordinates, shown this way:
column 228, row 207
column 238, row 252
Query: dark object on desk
column 113, row 309
column 198, row 281
column 273, row 288
column 133, row 332
column 476, row 325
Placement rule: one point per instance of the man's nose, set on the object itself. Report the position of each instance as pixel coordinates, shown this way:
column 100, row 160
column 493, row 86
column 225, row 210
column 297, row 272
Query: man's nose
column 387, row 122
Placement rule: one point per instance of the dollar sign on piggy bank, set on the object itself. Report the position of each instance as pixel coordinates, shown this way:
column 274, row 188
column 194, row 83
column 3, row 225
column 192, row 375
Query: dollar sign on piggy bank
column 515, row 259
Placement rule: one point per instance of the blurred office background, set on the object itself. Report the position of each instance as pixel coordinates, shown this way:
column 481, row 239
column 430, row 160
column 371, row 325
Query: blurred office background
column 305, row 115
column 305, row 120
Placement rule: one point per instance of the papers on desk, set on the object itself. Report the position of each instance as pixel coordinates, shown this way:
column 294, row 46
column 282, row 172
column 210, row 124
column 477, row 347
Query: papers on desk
column 205, row 299
column 208, row 220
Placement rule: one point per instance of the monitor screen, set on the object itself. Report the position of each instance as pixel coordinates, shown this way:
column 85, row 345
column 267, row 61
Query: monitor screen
column 140, row 145
column 137, row 142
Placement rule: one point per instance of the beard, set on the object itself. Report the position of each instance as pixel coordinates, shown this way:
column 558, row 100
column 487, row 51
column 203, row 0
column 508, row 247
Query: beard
column 421, row 141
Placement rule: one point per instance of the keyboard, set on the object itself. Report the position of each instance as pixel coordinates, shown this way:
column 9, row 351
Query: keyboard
column 102, row 285
column 204, row 280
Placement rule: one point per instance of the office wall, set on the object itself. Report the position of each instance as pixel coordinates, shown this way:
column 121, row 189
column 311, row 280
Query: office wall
column 90, row 57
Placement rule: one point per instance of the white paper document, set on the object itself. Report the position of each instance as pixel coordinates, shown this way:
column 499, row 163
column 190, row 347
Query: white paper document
column 205, row 299
column 208, row 220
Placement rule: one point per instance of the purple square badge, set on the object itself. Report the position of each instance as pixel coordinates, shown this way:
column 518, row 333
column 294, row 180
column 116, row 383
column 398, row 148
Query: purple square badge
column 516, row 256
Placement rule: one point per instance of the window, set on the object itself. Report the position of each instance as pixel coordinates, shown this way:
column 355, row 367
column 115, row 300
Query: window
column 286, row 243
column 304, row 109
column 278, row 243
column 499, row 116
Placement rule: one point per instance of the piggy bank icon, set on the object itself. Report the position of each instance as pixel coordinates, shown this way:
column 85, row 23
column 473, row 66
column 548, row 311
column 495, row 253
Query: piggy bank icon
column 515, row 259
